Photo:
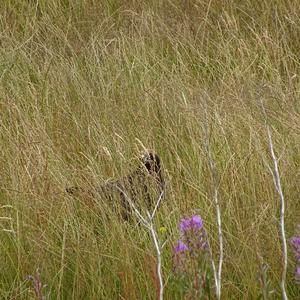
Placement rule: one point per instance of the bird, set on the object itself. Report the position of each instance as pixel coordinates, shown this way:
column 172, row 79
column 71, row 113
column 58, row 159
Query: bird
column 141, row 187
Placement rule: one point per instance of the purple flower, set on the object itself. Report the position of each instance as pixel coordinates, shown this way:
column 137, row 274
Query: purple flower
column 196, row 222
column 184, row 225
column 193, row 236
column 181, row 247
column 192, row 249
column 193, row 223
column 295, row 241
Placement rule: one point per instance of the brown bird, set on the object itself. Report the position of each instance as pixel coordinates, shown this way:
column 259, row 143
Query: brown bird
column 142, row 186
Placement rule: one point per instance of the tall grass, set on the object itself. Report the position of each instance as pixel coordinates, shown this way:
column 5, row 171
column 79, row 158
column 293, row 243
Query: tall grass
column 84, row 83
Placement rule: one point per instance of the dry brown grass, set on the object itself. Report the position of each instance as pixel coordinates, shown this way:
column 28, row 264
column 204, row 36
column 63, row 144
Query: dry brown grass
column 82, row 82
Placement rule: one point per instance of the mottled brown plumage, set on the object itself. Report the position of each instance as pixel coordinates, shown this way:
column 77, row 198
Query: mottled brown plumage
column 141, row 186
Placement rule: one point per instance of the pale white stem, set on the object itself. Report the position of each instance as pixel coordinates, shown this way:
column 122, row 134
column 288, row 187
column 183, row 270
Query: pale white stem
column 277, row 183
column 158, row 255
column 157, row 204
column 149, row 225
column 217, row 274
column 6, row 206
column 213, row 170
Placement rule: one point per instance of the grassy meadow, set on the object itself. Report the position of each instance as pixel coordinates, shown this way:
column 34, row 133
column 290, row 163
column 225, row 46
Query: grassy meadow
column 86, row 84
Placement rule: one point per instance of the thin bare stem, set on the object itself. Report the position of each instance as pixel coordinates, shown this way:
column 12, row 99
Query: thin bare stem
column 157, row 204
column 148, row 223
column 213, row 170
column 158, row 248
column 218, row 274
column 277, row 183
